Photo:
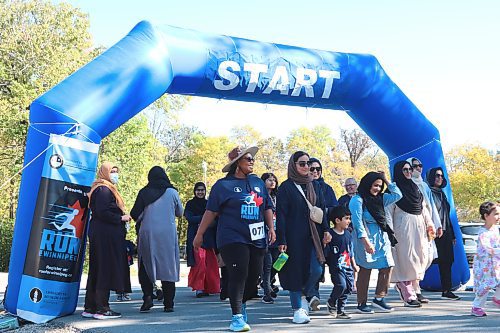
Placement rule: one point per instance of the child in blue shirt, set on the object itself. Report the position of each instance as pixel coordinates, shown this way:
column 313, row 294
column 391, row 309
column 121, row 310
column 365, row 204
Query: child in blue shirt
column 340, row 260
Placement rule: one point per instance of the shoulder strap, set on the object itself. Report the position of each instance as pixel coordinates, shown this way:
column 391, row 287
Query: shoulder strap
column 302, row 192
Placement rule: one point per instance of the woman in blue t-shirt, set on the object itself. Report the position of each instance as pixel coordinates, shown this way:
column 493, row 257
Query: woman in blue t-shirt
column 242, row 204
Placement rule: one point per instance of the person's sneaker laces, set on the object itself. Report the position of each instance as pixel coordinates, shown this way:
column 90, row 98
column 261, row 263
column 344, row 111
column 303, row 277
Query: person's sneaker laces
column 382, row 305
column 422, row 299
column 238, row 324
column 477, row 312
column 110, row 314
column 314, row 304
column 412, row 304
column 343, row 315
column 332, row 309
column 300, row 316
column 363, row 308
column 267, row 299
column 449, row 295
column 88, row 314
column 119, row 298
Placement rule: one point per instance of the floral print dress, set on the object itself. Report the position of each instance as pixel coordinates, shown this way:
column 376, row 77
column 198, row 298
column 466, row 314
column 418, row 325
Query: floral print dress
column 487, row 261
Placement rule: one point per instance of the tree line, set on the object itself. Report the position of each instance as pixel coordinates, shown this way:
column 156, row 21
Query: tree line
column 41, row 43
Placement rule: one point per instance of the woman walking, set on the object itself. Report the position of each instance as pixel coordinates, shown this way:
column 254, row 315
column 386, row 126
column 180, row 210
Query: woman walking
column 300, row 236
column 242, row 205
column 155, row 209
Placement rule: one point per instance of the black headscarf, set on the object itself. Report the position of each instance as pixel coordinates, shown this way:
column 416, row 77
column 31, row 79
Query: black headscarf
column 411, row 202
column 197, row 205
column 440, row 199
column 375, row 203
column 158, row 183
column 431, row 177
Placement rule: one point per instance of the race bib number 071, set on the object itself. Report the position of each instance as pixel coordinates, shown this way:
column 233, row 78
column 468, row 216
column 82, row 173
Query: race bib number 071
column 257, row 231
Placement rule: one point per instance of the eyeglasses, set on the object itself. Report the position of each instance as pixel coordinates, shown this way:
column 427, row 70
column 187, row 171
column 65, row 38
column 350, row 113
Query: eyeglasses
column 438, row 175
column 249, row 159
column 302, row 164
column 407, row 170
column 418, row 166
column 315, row 169
column 271, row 180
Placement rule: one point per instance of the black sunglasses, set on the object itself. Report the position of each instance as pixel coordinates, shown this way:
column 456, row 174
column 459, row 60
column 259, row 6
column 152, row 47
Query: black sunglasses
column 303, row 163
column 418, row 166
column 249, row 159
column 407, row 169
column 315, row 169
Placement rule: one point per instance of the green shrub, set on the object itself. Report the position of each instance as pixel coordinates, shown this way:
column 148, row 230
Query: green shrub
column 6, row 231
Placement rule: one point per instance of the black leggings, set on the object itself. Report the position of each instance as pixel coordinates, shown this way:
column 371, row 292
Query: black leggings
column 167, row 287
column 244, row 264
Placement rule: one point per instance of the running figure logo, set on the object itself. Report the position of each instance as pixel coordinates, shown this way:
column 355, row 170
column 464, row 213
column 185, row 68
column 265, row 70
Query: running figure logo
column 67, row 220
column 250, row 206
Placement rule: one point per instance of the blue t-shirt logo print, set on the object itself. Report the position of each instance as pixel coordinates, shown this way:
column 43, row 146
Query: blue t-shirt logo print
column 237, row 189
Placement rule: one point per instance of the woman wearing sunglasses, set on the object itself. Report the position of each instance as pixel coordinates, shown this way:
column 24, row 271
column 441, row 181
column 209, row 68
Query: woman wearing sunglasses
column 411, row 220
column 299, row 236
column 243, row 207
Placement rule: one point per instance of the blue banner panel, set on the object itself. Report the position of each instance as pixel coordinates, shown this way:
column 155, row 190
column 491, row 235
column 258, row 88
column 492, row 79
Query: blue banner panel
column 56, row 249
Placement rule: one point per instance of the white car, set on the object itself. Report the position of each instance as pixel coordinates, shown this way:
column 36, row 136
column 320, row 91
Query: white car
column 470, row 230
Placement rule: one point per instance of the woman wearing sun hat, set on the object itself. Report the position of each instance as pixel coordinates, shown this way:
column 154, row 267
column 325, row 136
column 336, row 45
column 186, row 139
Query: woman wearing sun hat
column 243, row 207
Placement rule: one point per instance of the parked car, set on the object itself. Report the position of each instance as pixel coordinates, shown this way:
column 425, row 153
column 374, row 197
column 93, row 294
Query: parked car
column 470, row 230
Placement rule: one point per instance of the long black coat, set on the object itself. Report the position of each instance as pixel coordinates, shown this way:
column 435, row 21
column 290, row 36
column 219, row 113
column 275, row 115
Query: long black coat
column 292, row 226
column 108, row 266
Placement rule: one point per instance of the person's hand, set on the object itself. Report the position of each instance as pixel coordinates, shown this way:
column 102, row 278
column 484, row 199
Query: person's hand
column 368, row 246
column 439, row 232
column 126, row 218
column 271, row 236
column 198, row 241
column 327, row 238
column 383, row 176
column 282, row 248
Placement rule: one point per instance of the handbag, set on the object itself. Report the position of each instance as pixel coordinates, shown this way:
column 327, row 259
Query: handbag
column 315, row 213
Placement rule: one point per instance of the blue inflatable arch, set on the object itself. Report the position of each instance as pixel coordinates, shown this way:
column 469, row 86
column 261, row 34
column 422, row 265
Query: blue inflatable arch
column 151, row 61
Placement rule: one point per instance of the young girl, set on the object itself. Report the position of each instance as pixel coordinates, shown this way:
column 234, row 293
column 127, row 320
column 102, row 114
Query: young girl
column 487, row 260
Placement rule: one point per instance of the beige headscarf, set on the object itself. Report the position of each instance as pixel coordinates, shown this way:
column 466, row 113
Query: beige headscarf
column 104, row 179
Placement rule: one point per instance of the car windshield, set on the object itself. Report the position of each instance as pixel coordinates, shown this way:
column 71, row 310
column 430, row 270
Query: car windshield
column 470, row 229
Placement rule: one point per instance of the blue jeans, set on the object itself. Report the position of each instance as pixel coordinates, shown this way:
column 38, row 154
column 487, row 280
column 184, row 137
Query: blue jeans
column 295, row 299
column 268, row 272
column 342, row 287
column 315, row 271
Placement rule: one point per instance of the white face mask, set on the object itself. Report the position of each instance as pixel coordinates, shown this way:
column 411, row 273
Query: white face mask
column 415, row 174
column 114, row 178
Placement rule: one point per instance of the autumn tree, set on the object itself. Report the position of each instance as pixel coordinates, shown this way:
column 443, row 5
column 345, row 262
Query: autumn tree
column 356, row 143
column 475, row 177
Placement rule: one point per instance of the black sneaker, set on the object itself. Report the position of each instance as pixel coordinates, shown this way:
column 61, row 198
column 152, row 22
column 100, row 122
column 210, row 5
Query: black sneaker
column 413, row 304
column 449, row 295
column 168, row 309
column 422, row 299
column 267, row 299
column 273, row 294
column 363, row 308
column 110, row 314
column 276, row 289
column 332, row 309
column 159, row 295
column 343, row 315
column 382, row 305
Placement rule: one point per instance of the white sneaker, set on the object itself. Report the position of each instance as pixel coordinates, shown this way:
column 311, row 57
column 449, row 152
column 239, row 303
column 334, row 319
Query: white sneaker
column 314, row 304
column 300, row 317
column 304, row 304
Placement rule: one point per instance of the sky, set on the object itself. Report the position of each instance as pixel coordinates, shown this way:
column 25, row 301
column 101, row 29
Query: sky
column 442, row 54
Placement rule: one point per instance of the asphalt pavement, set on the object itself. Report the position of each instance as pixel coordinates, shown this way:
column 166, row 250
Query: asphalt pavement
column 209, row 314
